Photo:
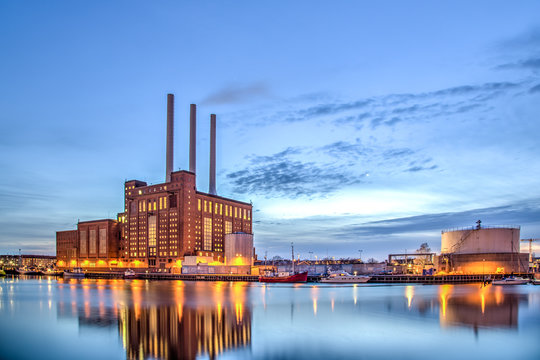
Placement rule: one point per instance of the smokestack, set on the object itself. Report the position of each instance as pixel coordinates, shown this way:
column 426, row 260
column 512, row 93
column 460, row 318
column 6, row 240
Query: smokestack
column 212, row 187
column 192, row 138
column 170, row 137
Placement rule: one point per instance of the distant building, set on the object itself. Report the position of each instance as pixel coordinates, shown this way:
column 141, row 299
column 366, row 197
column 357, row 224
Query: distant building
column 161, row 223
column 15, row 261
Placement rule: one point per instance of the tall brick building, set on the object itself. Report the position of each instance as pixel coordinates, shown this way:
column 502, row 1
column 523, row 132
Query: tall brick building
column 160, row 223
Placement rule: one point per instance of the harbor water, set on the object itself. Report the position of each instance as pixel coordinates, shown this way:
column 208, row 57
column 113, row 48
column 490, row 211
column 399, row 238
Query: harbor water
column 50, row 318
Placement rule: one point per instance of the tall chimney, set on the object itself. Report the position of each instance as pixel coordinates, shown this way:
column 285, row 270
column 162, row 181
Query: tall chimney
column 212, row 183
column 170, row 137
column 192, row 138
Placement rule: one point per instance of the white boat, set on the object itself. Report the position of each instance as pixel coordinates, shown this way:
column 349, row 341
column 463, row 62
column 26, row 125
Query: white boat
column 76, row 273
column 345, row 278
column 129, row 274
column 510, row 280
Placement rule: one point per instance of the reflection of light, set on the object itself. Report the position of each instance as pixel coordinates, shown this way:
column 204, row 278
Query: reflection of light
column 179, row 298
column 314, row 292
column 498, row 295
column 483, row 302
column 239, row 312
column 444, row 290
column 355, row 291
column 332, row 304
column 409, row 293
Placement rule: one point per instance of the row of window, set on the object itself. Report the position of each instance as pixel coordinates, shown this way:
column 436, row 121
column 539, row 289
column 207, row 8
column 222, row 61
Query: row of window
column 218, row 209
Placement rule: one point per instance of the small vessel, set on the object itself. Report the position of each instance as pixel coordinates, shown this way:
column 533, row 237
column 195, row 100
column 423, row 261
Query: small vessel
column 343, row 277
column 286, row 277
column 76, row 273
column 52, row 272
column 510, row 280
column 129, row 274
column 2, row 272
column 29, row 271
column 294, row 278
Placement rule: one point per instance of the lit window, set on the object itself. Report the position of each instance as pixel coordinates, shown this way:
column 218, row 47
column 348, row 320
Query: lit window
column 220, row 209
column 205, row 209
column 235, row 212
column 226, row 210
column 199, row 204
column 210, row 206
column 207, row 233
column 160, row 203
column 228, row 227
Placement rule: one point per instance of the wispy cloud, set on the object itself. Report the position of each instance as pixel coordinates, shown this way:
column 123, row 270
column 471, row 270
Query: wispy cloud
column 533, row 63
column 279, row 175
column 234, row 94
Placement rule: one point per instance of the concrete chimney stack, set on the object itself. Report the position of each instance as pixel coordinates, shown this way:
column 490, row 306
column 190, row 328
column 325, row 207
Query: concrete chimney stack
column 193, row 138
column 170, row 137
column 212, row 183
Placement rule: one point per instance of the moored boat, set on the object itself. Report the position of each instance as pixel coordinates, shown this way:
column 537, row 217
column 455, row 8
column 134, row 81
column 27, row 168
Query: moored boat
column 510, row 280
column 129, row 274
column 52, row 272
column 286, row 277
column 294, row 278
column 343, row 277
column 29, row 271
column 76, row 273
column 2, row 272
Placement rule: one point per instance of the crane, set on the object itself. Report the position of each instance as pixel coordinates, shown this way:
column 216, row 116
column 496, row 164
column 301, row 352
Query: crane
column 530, row 247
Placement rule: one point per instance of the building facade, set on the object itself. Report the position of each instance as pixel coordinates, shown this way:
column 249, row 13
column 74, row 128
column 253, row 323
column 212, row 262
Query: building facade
column 163, row 223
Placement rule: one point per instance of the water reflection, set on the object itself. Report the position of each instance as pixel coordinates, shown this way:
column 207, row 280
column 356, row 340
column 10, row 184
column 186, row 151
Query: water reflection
column 210, row 321
column 489, row 306
column 138, row 319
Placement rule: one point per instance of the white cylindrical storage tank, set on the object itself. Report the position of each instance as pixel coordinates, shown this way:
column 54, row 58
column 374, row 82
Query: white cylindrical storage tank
column 239, row 249
column 476, row 240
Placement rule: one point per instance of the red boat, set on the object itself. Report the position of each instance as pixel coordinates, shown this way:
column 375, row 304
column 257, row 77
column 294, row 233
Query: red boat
column 302, row 277
column 294, row 278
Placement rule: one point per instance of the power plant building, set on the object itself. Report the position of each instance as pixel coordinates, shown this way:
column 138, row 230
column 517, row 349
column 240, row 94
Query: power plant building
column 161, row 223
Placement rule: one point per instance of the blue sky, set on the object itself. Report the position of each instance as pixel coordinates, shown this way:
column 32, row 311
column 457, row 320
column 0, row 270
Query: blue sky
column 350, row 125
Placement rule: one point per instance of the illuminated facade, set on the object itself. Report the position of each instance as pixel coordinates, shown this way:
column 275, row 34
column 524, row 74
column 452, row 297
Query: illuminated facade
column 94, row 244
column 163, row 223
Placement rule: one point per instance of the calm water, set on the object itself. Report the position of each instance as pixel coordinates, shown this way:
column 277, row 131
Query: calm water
column 46, row 318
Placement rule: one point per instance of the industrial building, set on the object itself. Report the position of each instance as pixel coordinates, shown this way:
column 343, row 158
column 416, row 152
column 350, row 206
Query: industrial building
column 482, row 250
column 163, row 223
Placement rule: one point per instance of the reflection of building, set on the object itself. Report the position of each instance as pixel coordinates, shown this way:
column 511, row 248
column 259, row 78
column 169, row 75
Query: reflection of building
column 173, row 332
column 487, row 307
column 482, row 249
column 161, row 223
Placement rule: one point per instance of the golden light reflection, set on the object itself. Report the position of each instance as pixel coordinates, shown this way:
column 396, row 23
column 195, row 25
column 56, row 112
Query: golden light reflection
column 314, row 296
column 332, row 304
column 483, row 303
column 444, row 292
column 409, row 294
